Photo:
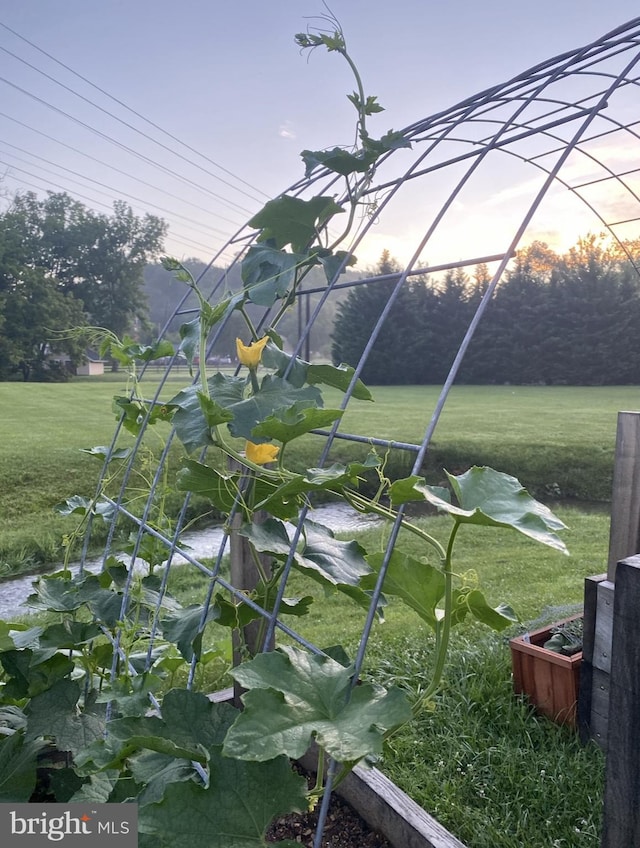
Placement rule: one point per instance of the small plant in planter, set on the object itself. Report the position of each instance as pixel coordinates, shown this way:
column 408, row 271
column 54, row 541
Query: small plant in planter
column 566, row 638
column 93, row 682
column 546, row 668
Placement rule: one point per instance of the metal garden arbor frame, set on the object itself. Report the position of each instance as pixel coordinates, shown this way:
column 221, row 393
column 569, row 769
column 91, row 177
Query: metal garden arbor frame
column 565, row 133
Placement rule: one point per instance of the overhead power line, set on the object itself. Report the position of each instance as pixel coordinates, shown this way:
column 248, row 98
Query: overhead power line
column 176, row 237
column 114, row 168
column 132, row 111
column 192, row 221
column 119, row 144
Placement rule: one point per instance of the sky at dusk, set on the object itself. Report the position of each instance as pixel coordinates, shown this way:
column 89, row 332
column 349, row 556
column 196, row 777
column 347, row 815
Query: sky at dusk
column 230, row 102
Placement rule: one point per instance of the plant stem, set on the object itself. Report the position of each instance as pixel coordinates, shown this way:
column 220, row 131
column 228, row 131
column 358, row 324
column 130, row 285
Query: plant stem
column 444, row 633
column 363, row 504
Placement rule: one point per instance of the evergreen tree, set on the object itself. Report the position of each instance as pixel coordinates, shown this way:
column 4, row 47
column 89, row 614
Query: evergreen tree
column 389, row 360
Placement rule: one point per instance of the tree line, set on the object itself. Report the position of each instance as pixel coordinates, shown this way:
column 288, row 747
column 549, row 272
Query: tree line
column 63, row 266
column 555, row 319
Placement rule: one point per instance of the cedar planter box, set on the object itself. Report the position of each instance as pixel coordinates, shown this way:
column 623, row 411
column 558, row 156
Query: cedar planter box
column 550, row 680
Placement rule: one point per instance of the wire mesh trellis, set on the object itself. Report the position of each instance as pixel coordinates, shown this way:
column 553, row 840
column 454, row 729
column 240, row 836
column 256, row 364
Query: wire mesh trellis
column 559, row 140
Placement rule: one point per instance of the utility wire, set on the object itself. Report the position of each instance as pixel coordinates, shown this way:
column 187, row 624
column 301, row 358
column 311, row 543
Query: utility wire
column 113, row 168
column 105, row 185
column 133, row 111
column 64, row 188
column 130, row 150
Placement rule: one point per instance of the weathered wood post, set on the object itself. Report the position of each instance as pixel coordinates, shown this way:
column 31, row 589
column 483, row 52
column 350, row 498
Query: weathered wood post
column 609, row 705
column 621, row 821
column 245, row 576
column 624, row 541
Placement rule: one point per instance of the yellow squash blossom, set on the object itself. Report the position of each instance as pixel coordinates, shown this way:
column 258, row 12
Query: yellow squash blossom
column 251, row 354
column 261, row 454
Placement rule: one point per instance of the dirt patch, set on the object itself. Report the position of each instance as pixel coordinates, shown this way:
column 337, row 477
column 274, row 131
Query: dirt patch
column 344, row 828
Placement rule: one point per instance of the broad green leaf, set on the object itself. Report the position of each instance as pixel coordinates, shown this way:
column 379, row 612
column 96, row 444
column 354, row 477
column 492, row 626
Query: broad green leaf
column 332, row 479
column 184, row 629
column 98, row 789
column 269, row 274
column 57, row 594
column 486, row 497
column 292, row 220
column 336, row 263
column 339, row 377
column 393, row 140
column 156, row 772
column 129, row 350
column 103, row 451
column 53, row 714
column 190, row 341
column 201, row 479
column 288, row 424
column 335, row 564
column 105, row 604
column 33, row 671
column 12, row 718
column 275, row 393
column 69, row 634
column 14, row 635
column 18, row 762
column 157, row 350
column 411, row 489
column 131, row 693
column 189, row 720
column 239, row 614
column 342, row 564
column 234, row 811
column 295, row 696
column 475, row 604
column 189, row 420
column 283, row 363
column 77, row 505
column 338, row 160
column 420, row 585
column 269, row 536
column 213, row 413
column 489, row 497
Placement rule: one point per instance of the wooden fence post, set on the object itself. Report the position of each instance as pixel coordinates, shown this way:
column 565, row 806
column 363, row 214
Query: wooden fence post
column 245, row 576
column 624, row 541
column 621, row 824
column 624, row 537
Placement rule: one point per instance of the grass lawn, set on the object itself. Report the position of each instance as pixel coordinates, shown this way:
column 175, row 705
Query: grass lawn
column 559, row 441
column 494, row 773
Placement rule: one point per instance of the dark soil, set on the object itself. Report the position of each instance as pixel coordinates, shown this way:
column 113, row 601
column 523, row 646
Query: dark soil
column 343, row 829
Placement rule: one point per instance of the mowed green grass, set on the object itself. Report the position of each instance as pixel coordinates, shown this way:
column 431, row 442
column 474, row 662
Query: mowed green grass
column 43, row 429
column 559, row 441
column 491, row 771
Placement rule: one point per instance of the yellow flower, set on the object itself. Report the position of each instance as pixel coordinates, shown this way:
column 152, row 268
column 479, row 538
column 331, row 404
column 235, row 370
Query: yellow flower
column 261, row 454
column 251, row 354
